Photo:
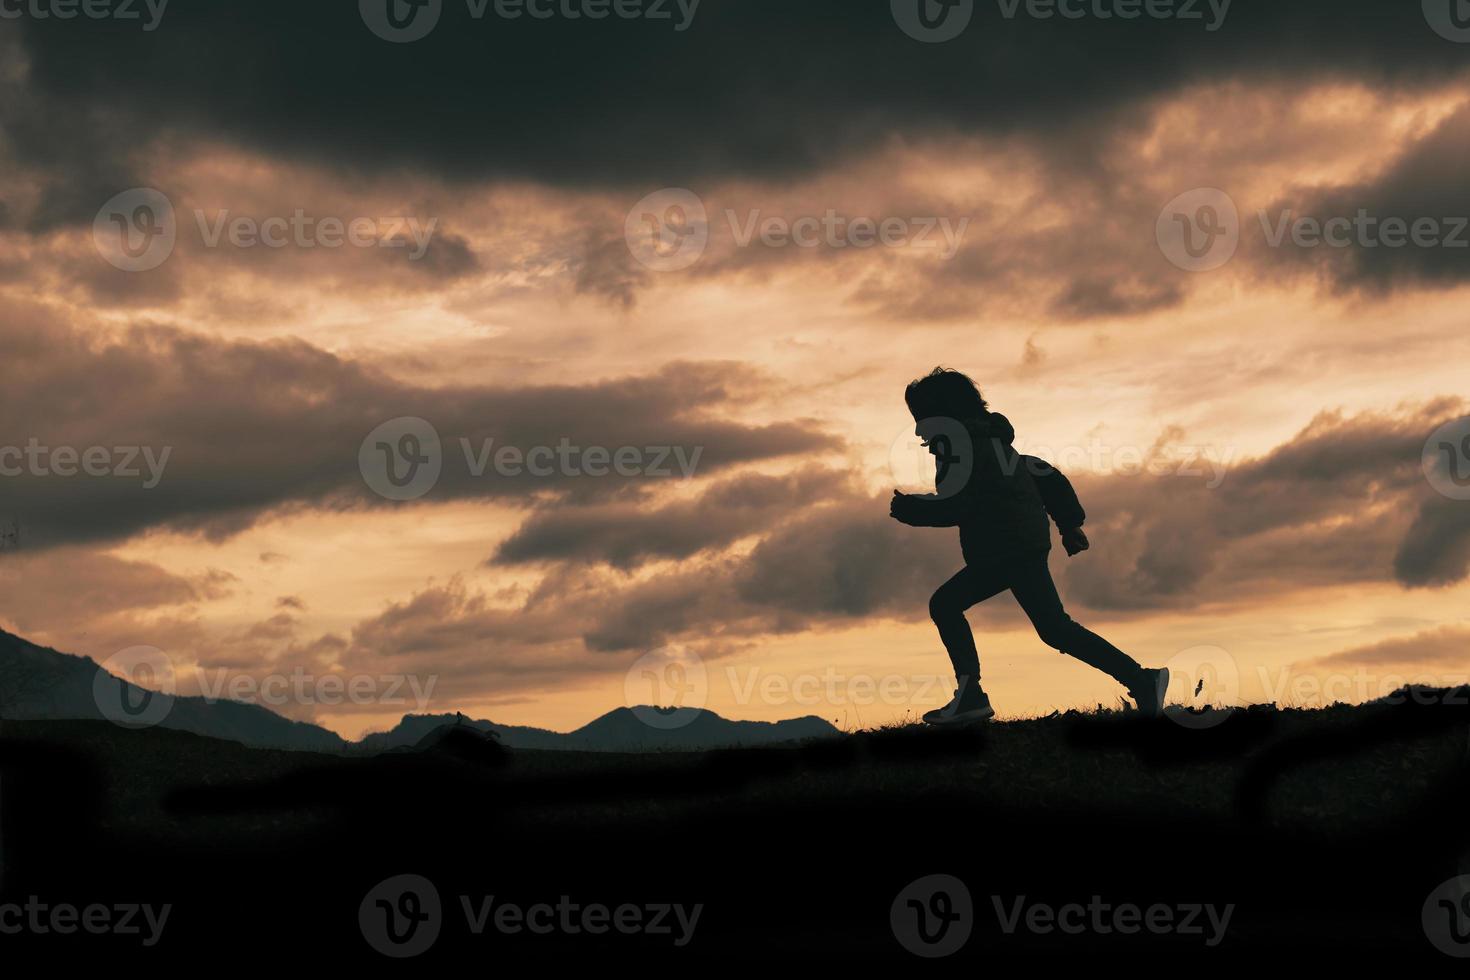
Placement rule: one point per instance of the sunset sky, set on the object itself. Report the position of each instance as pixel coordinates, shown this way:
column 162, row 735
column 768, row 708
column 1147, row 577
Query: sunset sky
column 1246, row 438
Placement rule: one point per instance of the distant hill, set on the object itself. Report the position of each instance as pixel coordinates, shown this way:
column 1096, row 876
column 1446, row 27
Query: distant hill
column 621, row 730
column 40, row 684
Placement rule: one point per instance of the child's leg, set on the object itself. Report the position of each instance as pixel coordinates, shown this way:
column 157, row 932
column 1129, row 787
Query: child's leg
column 1037, row 593
column 947, row 608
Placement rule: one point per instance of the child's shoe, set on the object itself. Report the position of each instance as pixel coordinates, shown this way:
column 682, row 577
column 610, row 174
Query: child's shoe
column 1149, row 691
column 968, row 706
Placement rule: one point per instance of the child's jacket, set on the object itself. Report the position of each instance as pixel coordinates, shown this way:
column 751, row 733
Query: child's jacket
column 997, row 498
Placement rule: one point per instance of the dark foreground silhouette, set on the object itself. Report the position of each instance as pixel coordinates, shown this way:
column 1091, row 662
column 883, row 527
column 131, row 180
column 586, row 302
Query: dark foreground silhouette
column 1324, row 834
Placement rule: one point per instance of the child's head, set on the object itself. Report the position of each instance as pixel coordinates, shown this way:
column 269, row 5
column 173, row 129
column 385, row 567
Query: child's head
column 943, row 393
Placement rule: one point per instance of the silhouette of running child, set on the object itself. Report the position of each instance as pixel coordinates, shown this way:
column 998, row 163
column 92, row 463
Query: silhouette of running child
column 1000, row 501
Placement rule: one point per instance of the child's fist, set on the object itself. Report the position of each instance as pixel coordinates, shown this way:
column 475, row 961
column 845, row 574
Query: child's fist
column 898, row 507
column 1075, row 541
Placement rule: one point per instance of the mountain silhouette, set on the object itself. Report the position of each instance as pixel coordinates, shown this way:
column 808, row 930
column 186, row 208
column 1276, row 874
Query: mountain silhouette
column 620, row 730
column 41, row 684
column 464, row 742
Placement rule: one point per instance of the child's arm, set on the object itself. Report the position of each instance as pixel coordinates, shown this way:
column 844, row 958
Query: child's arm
column 1061, row 503
column 925, row 510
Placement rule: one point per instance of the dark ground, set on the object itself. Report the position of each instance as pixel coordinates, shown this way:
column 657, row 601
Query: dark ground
column 1327, row 831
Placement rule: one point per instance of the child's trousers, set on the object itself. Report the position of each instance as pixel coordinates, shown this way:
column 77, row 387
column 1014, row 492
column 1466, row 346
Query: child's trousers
column 1029, row 580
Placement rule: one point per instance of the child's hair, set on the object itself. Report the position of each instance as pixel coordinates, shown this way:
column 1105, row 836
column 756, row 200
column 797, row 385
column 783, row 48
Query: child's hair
column 943, row 393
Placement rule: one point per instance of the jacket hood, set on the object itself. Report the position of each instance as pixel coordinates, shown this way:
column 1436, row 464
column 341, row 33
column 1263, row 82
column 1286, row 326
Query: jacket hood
column 1001, row 428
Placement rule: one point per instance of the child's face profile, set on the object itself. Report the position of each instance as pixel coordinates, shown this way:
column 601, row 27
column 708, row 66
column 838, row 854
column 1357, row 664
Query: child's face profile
column 928, row 429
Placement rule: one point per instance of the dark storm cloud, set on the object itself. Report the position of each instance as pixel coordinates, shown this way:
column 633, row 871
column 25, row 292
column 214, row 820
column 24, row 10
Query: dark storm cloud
column 79, row 585
column 248, row 428
column 760, row 88
column 1333, row 506
column 1093, row 298
column 1448, row 646
column 1427, row 184
column 627, row 534
column 1436, row 550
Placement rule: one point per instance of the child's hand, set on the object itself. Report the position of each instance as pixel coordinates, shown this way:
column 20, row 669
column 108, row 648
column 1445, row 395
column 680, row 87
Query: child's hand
column 1075, row 541
column 900, row 508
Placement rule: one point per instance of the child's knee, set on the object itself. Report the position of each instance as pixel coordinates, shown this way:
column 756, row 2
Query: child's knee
column 942, row 607
column 1057, row 634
